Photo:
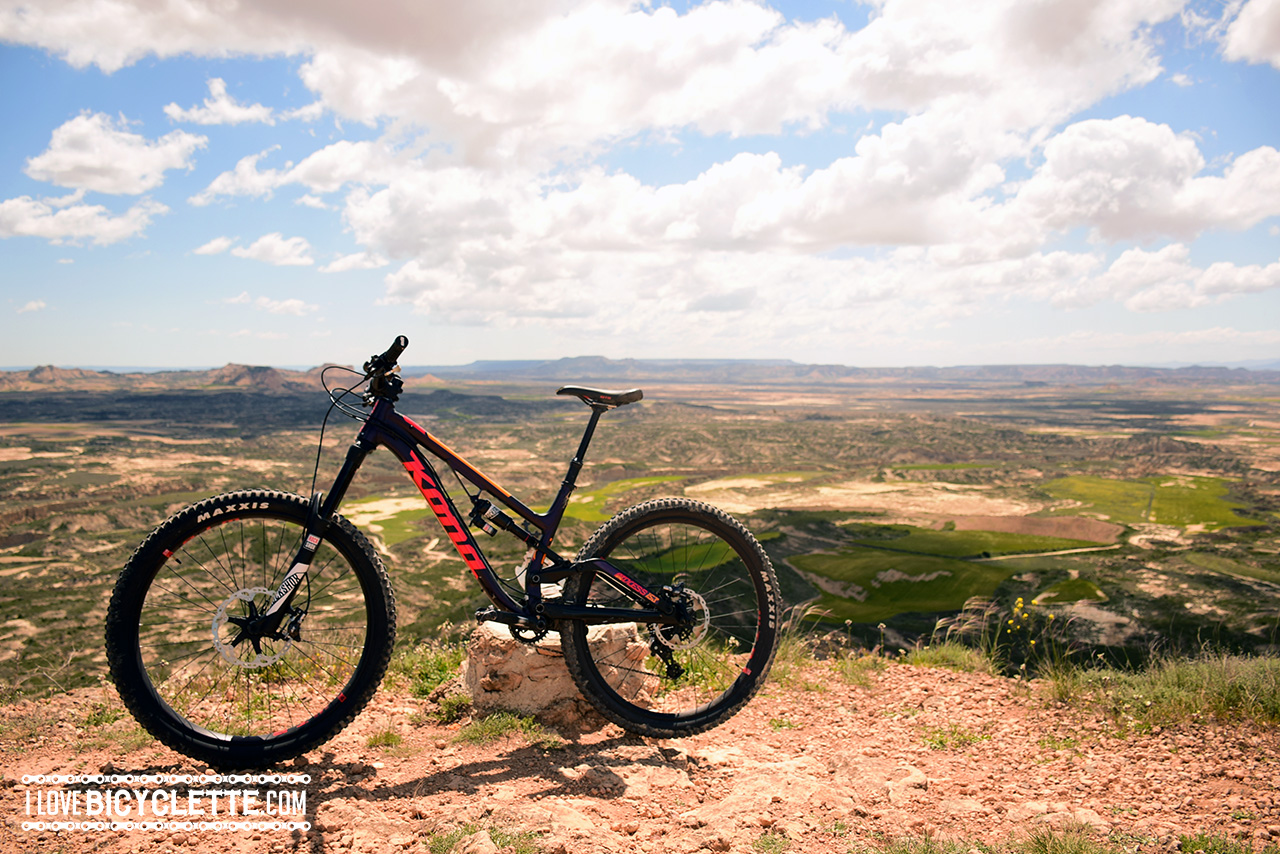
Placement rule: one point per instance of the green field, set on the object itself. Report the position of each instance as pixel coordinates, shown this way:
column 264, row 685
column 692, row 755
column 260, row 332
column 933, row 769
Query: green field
column 1071, row 590
column 899, row 583
column 942, row 466
column 393, row 528
column 1221, row 563
column 593, row 506
column 906, row 538
column 1167, row 500
column 904, row 569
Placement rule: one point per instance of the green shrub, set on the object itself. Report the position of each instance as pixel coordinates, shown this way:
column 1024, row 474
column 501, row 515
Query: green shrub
column 950, row 655
column 385, row 738
column 453, row 707
column 1222, row 687
column 427, row 666
column 498, row 725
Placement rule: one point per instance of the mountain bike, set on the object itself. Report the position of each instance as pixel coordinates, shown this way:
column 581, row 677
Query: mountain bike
column 253, row 626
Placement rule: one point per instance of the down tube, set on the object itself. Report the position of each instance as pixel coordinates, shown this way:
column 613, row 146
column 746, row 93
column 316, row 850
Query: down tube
column 428, row 483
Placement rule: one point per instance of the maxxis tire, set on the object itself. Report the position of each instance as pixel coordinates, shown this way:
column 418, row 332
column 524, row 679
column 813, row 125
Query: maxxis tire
column 671, row 540
column 196, row 564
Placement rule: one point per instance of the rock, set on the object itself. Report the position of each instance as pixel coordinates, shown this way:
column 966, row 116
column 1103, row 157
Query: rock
column 503, row 674
column 794, row 783
column 644, row 780
column 476, row 843
column 962, row 805
column 909, row 782
column 866, row 773
column 1029, row 810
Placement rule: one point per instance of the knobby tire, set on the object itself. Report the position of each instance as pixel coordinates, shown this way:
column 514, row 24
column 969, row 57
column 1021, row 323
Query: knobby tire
column 170, row 631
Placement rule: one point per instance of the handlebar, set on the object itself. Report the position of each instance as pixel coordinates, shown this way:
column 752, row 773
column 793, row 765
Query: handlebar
column 378, row 365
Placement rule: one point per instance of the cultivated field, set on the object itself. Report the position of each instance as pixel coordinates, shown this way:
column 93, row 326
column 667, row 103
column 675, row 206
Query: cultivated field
column 1141, row 516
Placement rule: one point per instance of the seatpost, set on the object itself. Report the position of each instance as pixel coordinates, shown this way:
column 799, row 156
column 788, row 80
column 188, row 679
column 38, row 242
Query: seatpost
column 575, row 464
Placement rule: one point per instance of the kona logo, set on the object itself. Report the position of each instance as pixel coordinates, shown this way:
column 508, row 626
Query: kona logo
column 440, row 506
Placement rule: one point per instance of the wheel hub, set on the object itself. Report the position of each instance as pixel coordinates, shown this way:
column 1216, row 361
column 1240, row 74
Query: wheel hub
column 686, row 637
column 230, row 632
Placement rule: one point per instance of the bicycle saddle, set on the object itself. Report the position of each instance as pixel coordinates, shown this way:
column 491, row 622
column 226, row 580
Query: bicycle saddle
column 602, row 397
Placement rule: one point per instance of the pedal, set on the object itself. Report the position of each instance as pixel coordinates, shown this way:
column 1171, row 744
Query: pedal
column 507, row 618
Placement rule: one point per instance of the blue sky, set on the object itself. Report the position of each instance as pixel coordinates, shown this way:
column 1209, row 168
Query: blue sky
column 897, row 182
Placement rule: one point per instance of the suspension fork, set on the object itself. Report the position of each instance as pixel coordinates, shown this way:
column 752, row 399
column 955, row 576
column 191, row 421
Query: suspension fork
column 322, row 509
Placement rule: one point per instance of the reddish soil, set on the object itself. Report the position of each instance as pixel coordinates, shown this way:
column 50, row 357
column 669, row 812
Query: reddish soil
column 824, row 764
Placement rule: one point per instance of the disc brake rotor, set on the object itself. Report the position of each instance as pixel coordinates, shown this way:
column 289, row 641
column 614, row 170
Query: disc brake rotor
column 247, row 653
column 690, row 636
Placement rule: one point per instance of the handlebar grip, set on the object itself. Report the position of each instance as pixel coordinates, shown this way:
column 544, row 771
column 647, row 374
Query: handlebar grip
column 387, row 361
column 397, row 347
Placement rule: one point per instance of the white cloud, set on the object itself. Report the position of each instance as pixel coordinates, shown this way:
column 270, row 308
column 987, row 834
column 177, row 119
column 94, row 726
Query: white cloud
column 59, row 223
column 536, row 80
column 1254, row 35
column 285, row 306
column 323, row 171
column 1166, row 279
column 215, row 247
column 276, row 249
column 33, row 305
column 95, row 152
column 308, row 113
column 356, row 261
column 292, row 306
column 244, row 180
column 485, row 191
column 1129, row 178
column 220, row 109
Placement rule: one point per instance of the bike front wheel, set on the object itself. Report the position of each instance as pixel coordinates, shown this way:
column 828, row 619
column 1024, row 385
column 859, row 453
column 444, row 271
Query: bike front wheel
column 195, row 680
column 656, row 680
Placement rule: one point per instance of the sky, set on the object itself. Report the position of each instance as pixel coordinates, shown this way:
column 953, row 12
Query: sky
column 882, row 183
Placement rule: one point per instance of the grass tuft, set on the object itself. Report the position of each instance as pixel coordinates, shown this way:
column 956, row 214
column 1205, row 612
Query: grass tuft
column 452, row 708
column 950, row 655
column 427, row 666
column 515, row 842
column 951, row 736
column 384, row 738
column 857, row 669
column 1204, row 844
column 1219, row 687
column 771, row 843
column 503, row 724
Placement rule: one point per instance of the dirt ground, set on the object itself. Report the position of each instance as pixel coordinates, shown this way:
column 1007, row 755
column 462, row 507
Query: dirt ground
column 821, row 764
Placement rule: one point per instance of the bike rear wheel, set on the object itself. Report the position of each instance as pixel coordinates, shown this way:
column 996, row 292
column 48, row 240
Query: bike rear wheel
column 655, row 680
column 174, row 640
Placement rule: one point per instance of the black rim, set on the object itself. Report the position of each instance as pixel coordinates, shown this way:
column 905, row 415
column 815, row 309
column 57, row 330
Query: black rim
column 187, row 631
column 678, row 676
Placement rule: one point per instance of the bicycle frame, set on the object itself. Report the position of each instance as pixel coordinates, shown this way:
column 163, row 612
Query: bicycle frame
column 399, row 434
